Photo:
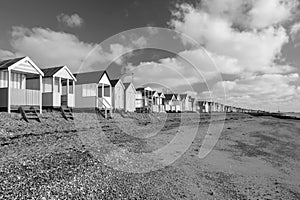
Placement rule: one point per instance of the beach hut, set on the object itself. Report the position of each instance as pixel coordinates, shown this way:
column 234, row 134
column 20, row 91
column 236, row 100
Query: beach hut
column 14, row 88
column 117, row 94
column 155, row 100
column 161, row 99
column 186, row 102
column 178, row 103
column 58, row 87
column 169, row 102
column 93, row 91
column 130, row 93
column 144, row 99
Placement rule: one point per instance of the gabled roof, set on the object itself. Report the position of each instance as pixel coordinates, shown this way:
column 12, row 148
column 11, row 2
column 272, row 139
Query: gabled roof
column 12, row 63
column 4, row 64
column 162, row 95
column 183, row 96
column 49, row 72
column 114, row 82
column 169, row 97
column 155, row 94
column 89, row 77
column 127, row 85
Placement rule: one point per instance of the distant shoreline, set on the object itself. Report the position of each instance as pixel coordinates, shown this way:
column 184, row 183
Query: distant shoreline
column 288, row 115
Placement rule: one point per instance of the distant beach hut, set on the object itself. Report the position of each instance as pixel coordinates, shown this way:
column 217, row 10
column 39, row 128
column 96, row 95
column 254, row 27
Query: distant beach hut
column 58, row 87
column 130, row 93
column 161, row 101
column 169, row 102
column 144, row 99
column 93, row 92
column 178, row 103
column 155, row 100
column 15, row 91
column 118, row 94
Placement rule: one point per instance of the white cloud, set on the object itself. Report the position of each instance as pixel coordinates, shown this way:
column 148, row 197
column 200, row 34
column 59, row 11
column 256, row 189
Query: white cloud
column 5, row 54
column 47, row 48
column 268, row 12
column 252, row 50
column 168, row 72
column 72, row 21
column 295, row 29
column 268, row 90
column 245, row 38
column 139, row 42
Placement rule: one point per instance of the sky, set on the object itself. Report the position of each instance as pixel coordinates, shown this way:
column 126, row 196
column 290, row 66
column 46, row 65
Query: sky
column 239, row 52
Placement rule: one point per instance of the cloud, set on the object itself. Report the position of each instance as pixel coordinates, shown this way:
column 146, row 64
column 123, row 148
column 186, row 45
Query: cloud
column 139, row 42
column 252, row 50
column 245, row 39
column 252, row 13
column 268, row 91
column 5, row 54
column 269, row 12
column 71, row 21
column 295, row 29
column 47, row 48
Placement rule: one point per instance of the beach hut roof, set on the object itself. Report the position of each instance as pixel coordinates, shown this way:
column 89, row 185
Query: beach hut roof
column 90, row 77
column 183, row 96
column 126, row 85
column 168, row 96
column 114, row 82
column 4, row 64
column 13, row 63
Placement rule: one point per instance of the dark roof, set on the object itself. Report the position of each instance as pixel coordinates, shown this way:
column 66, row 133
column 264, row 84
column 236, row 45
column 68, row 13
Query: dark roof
column 114, row 82
column 89, row 77
column 183, row 96
column 168, row 97
column 49, row 72
column 4, row 64
column 140, row 89
column 126, row 85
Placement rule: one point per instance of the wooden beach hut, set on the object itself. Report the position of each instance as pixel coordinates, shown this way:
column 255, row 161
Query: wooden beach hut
column 186, row 102
column 155, row 100
column 161, row 101
column 118, row 89
column 15, row 91
column 58, row 87
column 178, row 103
column 144, row 99
column 93, row 91
column 169, row 102
column 130, row 93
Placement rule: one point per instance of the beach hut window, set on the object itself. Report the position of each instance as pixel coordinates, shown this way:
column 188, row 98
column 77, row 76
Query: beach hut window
column 88, row 90
column 106, row 91
column 71, row 87
column 47, row 84
column 3, row 79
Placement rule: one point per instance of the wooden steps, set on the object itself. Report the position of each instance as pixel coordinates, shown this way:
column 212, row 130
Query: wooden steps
column 66, row 113
column 29, row 114
column 105, row 113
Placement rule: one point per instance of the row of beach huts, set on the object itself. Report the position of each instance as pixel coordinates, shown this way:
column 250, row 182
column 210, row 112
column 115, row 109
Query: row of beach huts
column 23, row 86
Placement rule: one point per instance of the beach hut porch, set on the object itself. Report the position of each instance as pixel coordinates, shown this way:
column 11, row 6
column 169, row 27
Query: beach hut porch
column 15, row 90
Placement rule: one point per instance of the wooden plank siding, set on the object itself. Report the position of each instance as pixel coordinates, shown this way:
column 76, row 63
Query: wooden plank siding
column 3, row 97
column 25, row 97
